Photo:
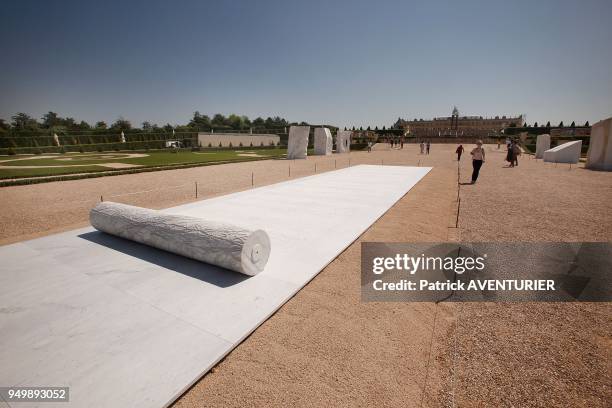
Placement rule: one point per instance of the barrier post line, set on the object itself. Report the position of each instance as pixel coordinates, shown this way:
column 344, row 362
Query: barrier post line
column 315, row 167
column 196, row 189
column 289, row 171
column 101, row 198
column 335, row 164
column 252, row 179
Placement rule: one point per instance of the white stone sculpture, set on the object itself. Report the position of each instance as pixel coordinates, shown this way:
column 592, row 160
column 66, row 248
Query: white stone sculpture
column 542, row 145
column 343, row 141
column 599, row 156
column 56, row 140
column 122, row 137
column 566, row 153
column 297, row 147
column 220, row 244
column 323, row 143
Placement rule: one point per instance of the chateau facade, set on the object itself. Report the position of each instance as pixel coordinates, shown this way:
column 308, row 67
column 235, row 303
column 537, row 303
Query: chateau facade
column 456, row 125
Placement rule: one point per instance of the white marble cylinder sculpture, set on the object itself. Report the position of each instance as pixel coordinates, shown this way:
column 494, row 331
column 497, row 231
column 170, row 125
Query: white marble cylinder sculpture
column 599, row 156
column 542, row 145
column 323, row 144
column 565, row 153
column 297, row 147
column 225, row 245
column 343, row 141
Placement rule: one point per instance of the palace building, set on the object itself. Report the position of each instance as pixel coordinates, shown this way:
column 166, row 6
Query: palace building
column 458, row 126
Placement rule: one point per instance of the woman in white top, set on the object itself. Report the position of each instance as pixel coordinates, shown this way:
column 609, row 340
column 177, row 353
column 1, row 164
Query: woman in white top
column 478, row 158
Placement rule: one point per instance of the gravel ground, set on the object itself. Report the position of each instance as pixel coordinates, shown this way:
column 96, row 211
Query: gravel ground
column 325, row 347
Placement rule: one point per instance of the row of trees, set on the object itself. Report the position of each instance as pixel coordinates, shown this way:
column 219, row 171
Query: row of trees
column 52, row 122
column 560, row 125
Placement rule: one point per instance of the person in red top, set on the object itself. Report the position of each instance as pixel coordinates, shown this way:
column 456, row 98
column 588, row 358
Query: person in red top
column 459, row 151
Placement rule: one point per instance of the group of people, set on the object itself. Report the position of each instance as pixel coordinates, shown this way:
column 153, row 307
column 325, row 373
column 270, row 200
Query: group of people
column 514, row 151
column 478, row 156
column 425, row 147
column 399, row 142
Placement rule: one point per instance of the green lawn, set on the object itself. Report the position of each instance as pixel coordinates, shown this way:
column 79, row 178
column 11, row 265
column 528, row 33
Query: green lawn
column 71, row 163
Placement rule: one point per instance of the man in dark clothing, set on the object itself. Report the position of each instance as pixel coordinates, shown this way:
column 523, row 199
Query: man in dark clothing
column 459, row 151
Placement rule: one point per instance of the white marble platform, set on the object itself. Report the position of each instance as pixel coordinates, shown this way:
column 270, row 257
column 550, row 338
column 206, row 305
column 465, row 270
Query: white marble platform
column 126, row 325
column 564, row 153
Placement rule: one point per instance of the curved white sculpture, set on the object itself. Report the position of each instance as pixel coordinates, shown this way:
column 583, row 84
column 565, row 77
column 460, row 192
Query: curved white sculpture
column 220, row 244
column 343, row 141
column 297, row 147
column 566, row 153
column 599, row 156
column 542, row 145
column 323, row 144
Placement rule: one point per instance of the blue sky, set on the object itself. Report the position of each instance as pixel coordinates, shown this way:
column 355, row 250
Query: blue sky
column 342, row 63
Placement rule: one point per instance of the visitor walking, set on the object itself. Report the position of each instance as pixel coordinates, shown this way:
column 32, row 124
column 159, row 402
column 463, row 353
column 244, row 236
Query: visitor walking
column 510, row 154
column 516, row 152
column 422, row 147
column 459, row 151
column 401, row 143
column 369, row 147
column 478, row 158
column 428, row 146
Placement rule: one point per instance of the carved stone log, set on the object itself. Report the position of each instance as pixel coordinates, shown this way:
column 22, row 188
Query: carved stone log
column 220, row 244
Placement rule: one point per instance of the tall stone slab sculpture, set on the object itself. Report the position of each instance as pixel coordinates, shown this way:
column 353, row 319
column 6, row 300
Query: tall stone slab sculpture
column 542, row 145
column 599, row 156
column 343, row 141
column 323, row 144
column 226, row 245
column 297, row 147
column 566, row 153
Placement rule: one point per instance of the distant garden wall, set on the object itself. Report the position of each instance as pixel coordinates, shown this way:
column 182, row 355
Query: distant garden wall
column 236, row 140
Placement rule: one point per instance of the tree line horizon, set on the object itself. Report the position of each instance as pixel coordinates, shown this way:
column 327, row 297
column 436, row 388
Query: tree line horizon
column 53, row 122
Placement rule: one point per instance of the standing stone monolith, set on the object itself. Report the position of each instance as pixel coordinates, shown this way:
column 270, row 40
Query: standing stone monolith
column 323, row 144
column 599, row 156
column 343, row 141
column 297, row 147
column 542, row 145
column 565, row 153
